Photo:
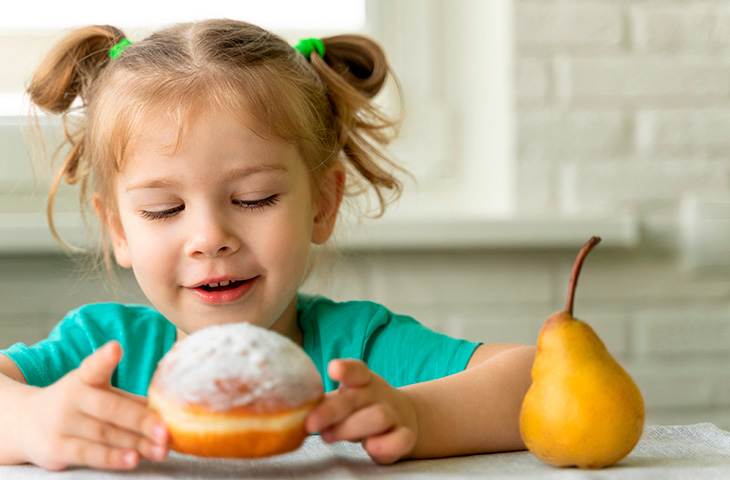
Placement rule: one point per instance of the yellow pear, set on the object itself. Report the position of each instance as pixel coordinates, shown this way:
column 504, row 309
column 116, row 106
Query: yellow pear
column 582, row 408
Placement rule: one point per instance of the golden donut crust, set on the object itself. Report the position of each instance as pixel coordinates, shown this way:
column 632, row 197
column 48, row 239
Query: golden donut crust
column 194, row 430
column 248, row 444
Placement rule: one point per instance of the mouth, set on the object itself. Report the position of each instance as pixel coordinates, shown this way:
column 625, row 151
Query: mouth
column 221, row 286
column 223, row 291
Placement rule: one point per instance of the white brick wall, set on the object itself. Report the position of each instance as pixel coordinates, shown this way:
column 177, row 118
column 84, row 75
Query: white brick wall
column 621, row 106
column 556, row 134
column 625, row 107
column 628, row 183
column 580, row 25
column 696, row 331
column 634, row 79
column 676, row 26
column 698, row 132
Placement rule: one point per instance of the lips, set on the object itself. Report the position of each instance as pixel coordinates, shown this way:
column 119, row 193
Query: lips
column 223, row 291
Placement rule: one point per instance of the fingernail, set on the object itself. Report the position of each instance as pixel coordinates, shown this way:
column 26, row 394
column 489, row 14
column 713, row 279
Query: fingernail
column 130, row 459
column 107, row 348
column 158, row 453
column 311, row 423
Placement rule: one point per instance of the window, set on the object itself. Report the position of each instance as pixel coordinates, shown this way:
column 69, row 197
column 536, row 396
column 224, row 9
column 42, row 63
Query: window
column 29, row 29
column 275, row 15
column 453, row 59
column 25, row 35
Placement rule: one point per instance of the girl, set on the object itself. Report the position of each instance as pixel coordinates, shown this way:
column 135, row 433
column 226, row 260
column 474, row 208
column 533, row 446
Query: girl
column 216, row 155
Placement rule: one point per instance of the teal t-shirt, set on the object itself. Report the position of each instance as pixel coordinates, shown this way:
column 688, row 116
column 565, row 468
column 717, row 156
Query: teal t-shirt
column 144, row 334
column 396, row 347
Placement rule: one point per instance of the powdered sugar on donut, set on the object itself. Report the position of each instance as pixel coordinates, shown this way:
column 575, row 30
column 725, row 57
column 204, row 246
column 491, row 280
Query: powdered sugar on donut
column 238, row 365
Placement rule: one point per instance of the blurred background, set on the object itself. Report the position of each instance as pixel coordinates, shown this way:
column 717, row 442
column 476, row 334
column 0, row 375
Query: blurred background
column 531, row 125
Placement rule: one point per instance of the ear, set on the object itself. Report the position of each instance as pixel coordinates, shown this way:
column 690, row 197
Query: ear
column 327, row 202
column 119, row 241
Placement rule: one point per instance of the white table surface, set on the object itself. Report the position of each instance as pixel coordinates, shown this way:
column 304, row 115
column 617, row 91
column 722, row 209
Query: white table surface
column 700, row 451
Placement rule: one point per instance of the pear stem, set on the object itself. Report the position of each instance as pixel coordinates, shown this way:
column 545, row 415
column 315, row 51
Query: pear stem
column 576, row 271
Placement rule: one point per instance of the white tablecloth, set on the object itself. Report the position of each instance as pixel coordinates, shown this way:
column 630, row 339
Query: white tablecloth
column 699, row 451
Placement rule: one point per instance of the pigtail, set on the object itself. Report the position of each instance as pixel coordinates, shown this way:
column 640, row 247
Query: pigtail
column 355, row 69
column 71, row 66
column 66, row 74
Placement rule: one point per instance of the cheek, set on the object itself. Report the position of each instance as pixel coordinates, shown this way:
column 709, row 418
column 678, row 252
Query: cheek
column 289, row 240
column 147, row 265
column 148, row 248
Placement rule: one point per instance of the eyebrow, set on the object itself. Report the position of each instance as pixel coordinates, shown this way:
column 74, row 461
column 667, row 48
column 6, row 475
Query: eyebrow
column 234, row 174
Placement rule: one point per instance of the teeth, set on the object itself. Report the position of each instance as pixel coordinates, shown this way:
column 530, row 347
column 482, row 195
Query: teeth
column 224, row 283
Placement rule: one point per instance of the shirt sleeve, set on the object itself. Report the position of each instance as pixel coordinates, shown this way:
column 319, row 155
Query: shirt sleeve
column 405, row 352
column 144, row 334
column 45, row 362
column 396, row 347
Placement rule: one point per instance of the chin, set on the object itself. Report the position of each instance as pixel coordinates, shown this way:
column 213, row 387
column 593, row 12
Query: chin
column 220, row 316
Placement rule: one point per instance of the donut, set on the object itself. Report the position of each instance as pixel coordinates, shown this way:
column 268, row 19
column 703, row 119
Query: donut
column 235, row 391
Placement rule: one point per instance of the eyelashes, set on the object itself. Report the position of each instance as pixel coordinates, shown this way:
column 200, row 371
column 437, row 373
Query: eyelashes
column 244, row 204
column 258, row 204
column 161, row 214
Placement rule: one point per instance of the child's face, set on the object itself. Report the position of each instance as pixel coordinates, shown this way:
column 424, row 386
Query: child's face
column 228, row 208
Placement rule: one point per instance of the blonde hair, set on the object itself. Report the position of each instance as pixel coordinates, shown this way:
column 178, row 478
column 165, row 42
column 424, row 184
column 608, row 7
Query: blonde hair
column 323, row 106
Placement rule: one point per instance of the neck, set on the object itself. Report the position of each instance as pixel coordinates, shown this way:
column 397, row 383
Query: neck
column 288, row 325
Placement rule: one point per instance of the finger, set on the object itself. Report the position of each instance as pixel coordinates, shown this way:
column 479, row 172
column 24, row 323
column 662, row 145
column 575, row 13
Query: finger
column 349, row 372
column 78, row 451
column 337, row 406
column 97, row 368
column 118, row 410
column 390, row 447
column 89, row 428
column 367, row 422
column 141, row 399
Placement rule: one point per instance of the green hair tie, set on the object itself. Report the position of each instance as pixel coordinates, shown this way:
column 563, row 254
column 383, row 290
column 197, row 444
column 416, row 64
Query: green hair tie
column 117, row 49
column 308, row 45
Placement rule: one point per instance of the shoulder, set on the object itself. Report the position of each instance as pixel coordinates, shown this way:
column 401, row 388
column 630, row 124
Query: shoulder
column 338, row 330
column 114, row 314
column 98, row 323
column 350, row 328
column 113, row 310
column 314, row 304
column 354, row 315
column 396, row 346
column 87, row 328
column 144, row 334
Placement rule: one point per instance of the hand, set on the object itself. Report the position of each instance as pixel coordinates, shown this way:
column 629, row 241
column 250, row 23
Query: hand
column 366, row 409
column 82, row 420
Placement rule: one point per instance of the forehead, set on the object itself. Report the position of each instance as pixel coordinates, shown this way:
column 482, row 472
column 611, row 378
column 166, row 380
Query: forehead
column 120, row 121
column 266, row 103
column 168, row 130
column 207, row 135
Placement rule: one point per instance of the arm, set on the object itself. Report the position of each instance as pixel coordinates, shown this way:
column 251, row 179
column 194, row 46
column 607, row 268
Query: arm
column 474, row 411
column 14, row 389
column 79, row 420
column 9, row 369
column 477, row 410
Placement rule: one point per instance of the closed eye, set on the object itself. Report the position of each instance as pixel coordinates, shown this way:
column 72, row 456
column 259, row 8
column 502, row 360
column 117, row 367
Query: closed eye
column 161, row 214
column 257, row 204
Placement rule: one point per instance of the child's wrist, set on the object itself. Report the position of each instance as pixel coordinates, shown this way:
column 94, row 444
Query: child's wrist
column 15, row 404
column 411, row 420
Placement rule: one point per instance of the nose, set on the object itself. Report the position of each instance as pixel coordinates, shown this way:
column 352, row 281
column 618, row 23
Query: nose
column 211, row 235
